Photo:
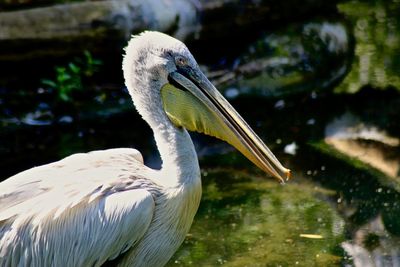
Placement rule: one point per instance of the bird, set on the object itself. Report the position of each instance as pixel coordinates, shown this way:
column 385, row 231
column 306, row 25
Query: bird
column 106, row 206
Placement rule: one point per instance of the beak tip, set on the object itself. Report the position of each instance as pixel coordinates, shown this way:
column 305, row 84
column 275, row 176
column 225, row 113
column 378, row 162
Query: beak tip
column 288, row 174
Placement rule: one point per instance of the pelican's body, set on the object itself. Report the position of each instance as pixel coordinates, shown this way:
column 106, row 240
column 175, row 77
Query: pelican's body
column 88, row 209
column 102, row 202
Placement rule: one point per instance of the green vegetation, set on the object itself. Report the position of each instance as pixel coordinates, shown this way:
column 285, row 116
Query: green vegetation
column 70, row 78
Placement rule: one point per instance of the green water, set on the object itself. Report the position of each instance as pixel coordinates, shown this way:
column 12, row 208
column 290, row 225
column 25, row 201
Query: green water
column 247, row 220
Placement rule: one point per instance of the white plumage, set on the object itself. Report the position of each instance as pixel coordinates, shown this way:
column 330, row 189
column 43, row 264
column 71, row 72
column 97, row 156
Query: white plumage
column 88, row 209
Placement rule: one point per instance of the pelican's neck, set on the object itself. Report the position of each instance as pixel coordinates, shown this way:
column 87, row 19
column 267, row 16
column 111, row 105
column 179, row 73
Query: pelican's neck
column 179, row 159
column 145, row 74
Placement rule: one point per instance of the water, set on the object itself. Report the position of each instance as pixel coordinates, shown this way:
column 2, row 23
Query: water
column 247, row 220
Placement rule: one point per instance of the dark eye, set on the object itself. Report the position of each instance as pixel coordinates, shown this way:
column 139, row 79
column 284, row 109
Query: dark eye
column 181, row 61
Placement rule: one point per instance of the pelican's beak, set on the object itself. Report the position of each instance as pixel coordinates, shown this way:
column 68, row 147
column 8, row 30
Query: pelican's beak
column 191, row 101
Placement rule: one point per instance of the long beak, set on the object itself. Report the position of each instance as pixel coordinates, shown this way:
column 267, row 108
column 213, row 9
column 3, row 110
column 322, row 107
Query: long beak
column 207, row 111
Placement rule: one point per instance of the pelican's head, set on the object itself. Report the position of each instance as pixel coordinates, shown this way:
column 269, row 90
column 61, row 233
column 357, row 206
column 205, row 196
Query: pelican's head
column 164, row 80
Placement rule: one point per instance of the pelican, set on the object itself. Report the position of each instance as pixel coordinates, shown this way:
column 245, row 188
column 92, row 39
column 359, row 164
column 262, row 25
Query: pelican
column 106, row 206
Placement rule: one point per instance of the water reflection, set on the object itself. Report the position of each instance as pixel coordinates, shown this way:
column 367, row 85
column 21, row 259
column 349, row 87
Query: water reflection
column 373, row 246
column 377, row 36
column 365, row 142
column 248, row 220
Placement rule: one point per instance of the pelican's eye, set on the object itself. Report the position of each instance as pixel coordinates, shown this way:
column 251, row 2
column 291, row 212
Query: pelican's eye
column 181, row 61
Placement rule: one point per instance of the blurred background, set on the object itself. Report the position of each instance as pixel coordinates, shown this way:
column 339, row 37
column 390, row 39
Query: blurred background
column 317, row 80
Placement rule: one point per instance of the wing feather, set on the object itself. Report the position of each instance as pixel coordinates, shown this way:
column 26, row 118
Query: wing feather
column 72, row 177
column 82, row 210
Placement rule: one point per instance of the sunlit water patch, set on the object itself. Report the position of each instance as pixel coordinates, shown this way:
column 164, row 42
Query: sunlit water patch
column 248, row 220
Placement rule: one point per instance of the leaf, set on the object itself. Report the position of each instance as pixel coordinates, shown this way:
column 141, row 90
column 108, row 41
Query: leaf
column 74, row 68
column 60, row 70
column 49, row 83
column 63, row 77
column 64, row 96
